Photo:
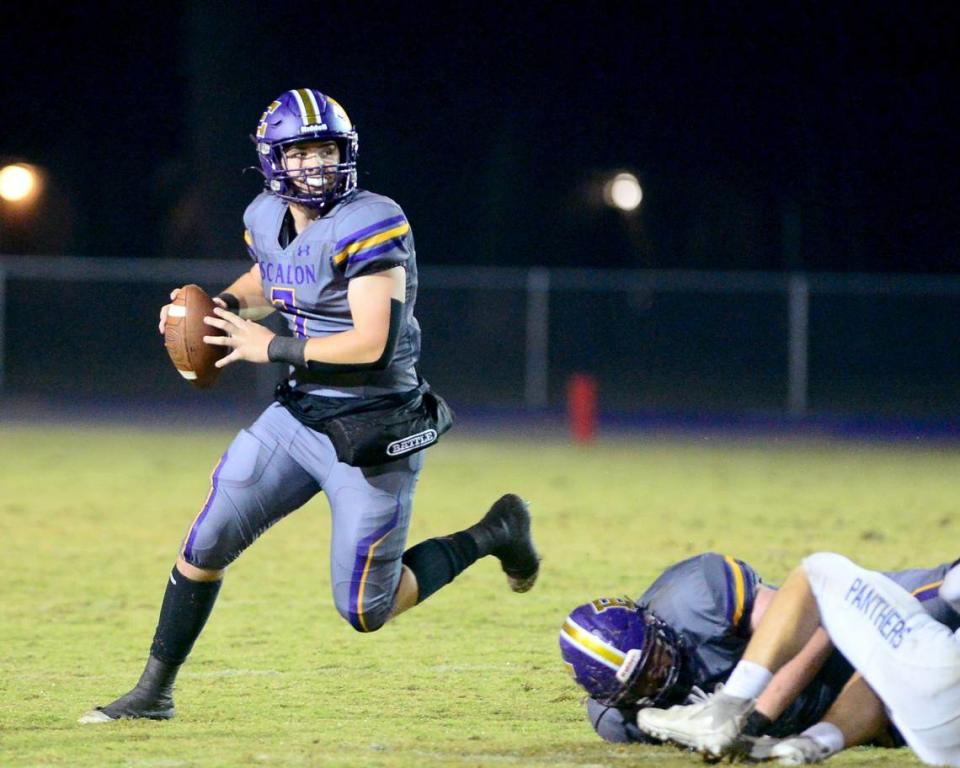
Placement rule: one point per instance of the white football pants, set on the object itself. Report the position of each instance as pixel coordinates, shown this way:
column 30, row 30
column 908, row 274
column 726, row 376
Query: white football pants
column 911, row 661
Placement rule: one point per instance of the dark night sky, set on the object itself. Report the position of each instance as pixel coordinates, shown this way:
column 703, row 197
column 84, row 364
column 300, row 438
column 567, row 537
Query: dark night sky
column 491, row 123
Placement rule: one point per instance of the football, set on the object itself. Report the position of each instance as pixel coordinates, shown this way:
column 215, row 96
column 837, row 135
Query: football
column 183, row 337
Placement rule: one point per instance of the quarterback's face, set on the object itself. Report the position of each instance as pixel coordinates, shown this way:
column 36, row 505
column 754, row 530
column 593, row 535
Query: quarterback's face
column 309, row 161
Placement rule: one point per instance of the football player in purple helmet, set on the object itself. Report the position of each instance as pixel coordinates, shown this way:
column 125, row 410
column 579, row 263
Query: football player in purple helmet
column 621, row 655
column 350, row 418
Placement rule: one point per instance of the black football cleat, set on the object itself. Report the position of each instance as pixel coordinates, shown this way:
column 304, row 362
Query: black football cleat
column 508, row 521
column 150, row 699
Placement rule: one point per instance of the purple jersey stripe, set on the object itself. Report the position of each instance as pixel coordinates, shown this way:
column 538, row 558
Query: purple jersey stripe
column 369, row 254
column 214, row 485
column 385, row 224
column 364, row 548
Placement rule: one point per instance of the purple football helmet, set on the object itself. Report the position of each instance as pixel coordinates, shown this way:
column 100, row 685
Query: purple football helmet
column 302, row 115
column 620, row 654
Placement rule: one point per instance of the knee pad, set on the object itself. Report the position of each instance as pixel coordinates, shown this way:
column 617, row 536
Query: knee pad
column 216, row 537
column 208, row 559
column 373, row 616
column 364, row 611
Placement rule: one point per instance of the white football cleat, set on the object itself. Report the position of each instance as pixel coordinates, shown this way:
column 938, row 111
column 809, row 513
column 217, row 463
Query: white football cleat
column 799, row 750
column 95, row 716
column 793, row 750
column 712, row 726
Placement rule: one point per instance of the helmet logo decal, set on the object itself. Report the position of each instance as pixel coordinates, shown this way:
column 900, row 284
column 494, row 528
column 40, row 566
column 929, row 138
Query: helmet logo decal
column 262, row 127
column 602, row 604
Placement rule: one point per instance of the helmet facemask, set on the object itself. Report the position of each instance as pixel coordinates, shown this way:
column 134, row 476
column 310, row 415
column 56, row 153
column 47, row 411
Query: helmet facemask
column 648, row 673
column 316, row 186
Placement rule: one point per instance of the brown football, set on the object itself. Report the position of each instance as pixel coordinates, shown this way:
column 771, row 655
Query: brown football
column 183, row 337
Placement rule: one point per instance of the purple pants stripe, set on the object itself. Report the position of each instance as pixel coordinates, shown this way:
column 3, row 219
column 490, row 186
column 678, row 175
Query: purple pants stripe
column 928, row 592
column 214, row 485
column 361, row 568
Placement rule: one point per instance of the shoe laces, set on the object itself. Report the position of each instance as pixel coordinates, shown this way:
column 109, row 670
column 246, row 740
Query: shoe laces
column 698, row 696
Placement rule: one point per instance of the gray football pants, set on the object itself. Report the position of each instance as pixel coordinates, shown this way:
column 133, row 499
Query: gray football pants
column 276, row 466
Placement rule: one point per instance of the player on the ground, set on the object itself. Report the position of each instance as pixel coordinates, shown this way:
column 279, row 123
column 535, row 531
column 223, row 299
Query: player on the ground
column 338, row 262
column 689, row 629
column 910, row 660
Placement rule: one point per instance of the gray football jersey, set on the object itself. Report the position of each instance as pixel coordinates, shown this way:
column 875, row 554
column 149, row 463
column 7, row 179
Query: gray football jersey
column 707, row 600
column 307, row 280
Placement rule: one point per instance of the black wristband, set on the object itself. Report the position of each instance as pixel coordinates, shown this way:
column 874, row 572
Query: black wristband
column 284, row 349
column 757, row 724
column 232, row 302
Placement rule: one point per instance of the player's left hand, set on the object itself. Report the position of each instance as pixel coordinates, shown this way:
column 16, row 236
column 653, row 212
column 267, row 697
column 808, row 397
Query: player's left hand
column 249, row 340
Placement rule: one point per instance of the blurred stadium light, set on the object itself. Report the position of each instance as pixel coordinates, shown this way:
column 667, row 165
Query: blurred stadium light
column 623, row 192
column 22, row 197
column 20, row 184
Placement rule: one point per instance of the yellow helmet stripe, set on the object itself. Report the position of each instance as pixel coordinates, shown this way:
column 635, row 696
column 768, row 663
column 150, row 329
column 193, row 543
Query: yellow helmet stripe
column 308, row 106
column 298, row 97
column 592, row 645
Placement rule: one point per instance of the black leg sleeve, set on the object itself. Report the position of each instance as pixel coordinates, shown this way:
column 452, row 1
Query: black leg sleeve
column 437, row 562
column 186, row 606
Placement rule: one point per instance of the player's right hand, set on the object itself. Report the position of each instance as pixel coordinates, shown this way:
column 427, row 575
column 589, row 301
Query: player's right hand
column 166, row 308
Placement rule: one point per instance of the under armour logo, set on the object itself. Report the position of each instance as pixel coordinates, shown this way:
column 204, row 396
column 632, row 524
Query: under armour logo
column 303, row 251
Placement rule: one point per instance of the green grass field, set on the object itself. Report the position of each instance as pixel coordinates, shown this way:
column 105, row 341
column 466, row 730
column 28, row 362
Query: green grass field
column 90, row 520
